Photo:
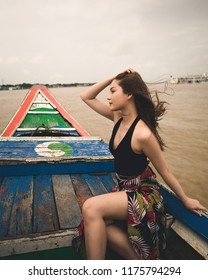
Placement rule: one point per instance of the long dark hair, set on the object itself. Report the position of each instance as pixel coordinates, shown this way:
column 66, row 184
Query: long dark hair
column 149, row 107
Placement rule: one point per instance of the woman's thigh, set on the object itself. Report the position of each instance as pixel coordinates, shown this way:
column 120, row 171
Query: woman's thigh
column 109, row 206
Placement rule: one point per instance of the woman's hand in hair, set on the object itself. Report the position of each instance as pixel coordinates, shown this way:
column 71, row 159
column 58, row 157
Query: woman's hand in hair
column 129, row 70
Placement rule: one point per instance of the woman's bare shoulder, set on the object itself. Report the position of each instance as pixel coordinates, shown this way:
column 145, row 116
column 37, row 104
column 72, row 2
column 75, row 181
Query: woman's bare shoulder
column 143, row 132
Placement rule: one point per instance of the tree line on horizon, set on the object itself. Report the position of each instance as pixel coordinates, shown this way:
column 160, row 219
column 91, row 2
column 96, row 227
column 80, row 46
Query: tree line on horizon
column 29, row 85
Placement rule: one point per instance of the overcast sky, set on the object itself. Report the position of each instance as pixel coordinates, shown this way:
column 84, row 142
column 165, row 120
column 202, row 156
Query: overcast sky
column 50, row 41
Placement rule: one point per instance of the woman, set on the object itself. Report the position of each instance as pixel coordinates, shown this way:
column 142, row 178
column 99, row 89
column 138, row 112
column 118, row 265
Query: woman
column 131, row 220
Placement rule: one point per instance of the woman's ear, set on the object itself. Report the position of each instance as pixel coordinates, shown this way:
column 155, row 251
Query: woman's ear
column 130, row 96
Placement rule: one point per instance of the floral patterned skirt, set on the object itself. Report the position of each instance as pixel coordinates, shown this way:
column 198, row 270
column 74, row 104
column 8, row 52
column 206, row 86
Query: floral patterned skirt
column 145, row 224
column 146, row 215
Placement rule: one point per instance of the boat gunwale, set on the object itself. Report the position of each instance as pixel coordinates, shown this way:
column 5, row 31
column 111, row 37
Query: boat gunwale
column 10, row 161
column 42, row 138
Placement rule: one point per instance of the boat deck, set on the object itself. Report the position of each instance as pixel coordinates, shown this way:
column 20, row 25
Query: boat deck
column 37, row 204
column 47, row 203
column 44, row 183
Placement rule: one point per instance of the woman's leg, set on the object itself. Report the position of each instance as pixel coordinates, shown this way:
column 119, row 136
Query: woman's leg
column 118, row 241
column 96, row 211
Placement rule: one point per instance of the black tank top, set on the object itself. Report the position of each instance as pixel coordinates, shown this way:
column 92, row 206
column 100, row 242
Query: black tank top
column 127, row 162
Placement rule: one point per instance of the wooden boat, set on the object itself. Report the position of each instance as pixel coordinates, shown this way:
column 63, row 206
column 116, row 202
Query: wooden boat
column 45, row 180
column 41, row 115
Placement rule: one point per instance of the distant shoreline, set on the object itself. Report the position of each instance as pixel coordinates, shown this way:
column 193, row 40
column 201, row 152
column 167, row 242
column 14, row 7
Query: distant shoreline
column 189, row 79
column 28, row 85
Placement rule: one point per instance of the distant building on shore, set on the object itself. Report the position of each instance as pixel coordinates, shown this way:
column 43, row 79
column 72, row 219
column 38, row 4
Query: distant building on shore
column 189, row 79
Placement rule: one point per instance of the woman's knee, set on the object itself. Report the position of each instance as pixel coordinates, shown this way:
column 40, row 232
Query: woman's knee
column 90, row 209
column 107, row 206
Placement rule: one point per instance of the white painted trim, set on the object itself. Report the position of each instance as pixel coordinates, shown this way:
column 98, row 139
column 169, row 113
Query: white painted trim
column 196, row 242
column 42, row 128
column 43, row 113
column 37, row 243
column 80, row 138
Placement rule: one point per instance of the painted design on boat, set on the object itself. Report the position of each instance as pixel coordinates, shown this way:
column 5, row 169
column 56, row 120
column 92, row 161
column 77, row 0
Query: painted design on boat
column 53, row 149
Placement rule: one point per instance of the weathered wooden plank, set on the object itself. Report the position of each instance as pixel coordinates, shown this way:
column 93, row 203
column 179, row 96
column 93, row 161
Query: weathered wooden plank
column 36, row 243
column 7, row 196
column 32, row 149
column 90, row 148
column 81, row 188
column 109, row 181
column 68, row 209
column 100, row 183
column 95, row 184
column 45, row 215
column 21, row 214
column 17, row 151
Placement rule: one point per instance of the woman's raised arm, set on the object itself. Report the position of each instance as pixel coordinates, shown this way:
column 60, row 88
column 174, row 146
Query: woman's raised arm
column 90, row 94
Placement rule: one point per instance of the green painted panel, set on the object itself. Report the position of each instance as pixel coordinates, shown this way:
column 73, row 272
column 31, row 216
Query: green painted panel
column 43, row 109
column 44, row 120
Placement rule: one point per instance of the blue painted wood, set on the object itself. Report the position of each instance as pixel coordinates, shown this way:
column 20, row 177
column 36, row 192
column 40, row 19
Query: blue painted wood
column 191, row 220
column 26, row 149
column 16, row 206
column 69, row 213
column 92, row 184
column 95, row 184
column 42, row 168
column 81, row 188
column 109, row 181
column 21, row 214
column 7, row 196
column 45, row 215
column 16, row 203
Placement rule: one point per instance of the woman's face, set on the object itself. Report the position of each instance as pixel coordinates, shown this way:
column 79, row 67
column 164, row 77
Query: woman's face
column 117, row 98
